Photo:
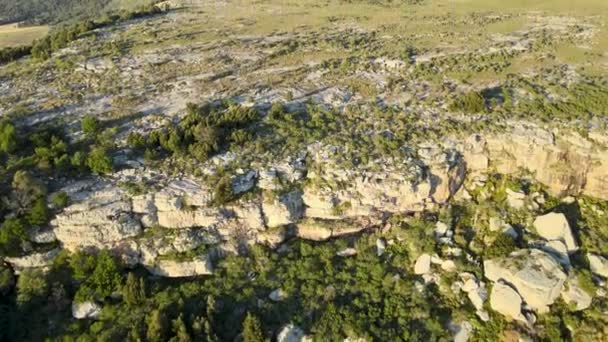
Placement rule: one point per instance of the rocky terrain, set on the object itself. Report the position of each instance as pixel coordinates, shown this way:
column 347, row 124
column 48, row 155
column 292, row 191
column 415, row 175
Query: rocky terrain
column 462, row 171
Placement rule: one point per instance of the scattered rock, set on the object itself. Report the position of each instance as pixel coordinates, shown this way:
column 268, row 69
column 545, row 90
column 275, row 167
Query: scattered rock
column 449, row 266
column 554, row 226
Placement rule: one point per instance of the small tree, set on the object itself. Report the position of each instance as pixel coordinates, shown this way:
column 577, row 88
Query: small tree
column 12, row 233
column 252, row 329
column 31, row 285
column 106, row 276
column 8, row 137
column 134, row 290
column 27, row 189
column 99, row 162
column 39, row 213
column 90, row 125
column 157, row 327
column 180, row 331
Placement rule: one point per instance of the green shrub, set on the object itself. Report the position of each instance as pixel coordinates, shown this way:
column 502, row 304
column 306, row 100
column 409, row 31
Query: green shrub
column 99, row 162
column 472, row 102
column 90, row 126
column 60, row 200
column 12, row 234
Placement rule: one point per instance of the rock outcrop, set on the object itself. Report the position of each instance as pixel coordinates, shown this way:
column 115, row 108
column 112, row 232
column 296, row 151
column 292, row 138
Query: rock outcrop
column 35, row 260
column 537, row 277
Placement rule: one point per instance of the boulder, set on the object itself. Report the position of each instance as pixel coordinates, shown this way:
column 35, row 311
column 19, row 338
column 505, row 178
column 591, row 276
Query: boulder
column 291, row 333
column 277, row 295
column 598, row 265
column 461, row 331
column 380, row 246
column 506, row 301
column 477, row 297
column 85, row 310
column 516, row 199
column 269, row 180
column 554, row 226
column 573, row 293
column 558, row 250
column 347, row 252
column 177, row 269
column 423, row 264
column 536, row 276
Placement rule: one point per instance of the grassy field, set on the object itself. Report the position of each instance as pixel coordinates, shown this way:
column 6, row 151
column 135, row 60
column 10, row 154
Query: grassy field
column 11, row 35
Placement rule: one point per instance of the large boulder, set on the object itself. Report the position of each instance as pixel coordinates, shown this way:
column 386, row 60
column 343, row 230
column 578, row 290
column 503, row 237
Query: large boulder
column 506, row 301
column 536, row 276
column 177, row 269
column 554, row 226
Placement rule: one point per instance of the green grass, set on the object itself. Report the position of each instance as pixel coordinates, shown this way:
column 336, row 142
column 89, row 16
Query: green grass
column 11, row 35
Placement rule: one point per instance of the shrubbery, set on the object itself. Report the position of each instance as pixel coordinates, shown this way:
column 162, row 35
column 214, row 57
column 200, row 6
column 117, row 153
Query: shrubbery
column 472, row 102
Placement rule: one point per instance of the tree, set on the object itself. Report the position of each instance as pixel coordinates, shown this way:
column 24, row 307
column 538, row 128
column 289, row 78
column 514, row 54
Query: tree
column 106, row 276
column 223, row 191
column 180, row 331
column 12, row 234
column 27, row 189
column 39, row 213
column 99, row 162
column 134, row 290
column 252, row 329
column 157, row 327
column 90, row 126
column 31, row 285
column 8, row 137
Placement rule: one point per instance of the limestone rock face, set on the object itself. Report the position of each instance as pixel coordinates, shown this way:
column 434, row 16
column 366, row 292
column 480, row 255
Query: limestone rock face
column 99, row 221
column 85, row 310
column 567, row 163
column 285, row 210
column 36, row 260
column 177, row 269
column 598, row 265
column 202, row 217
column 554, row 226
column 506, row 301
column 537, row 277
